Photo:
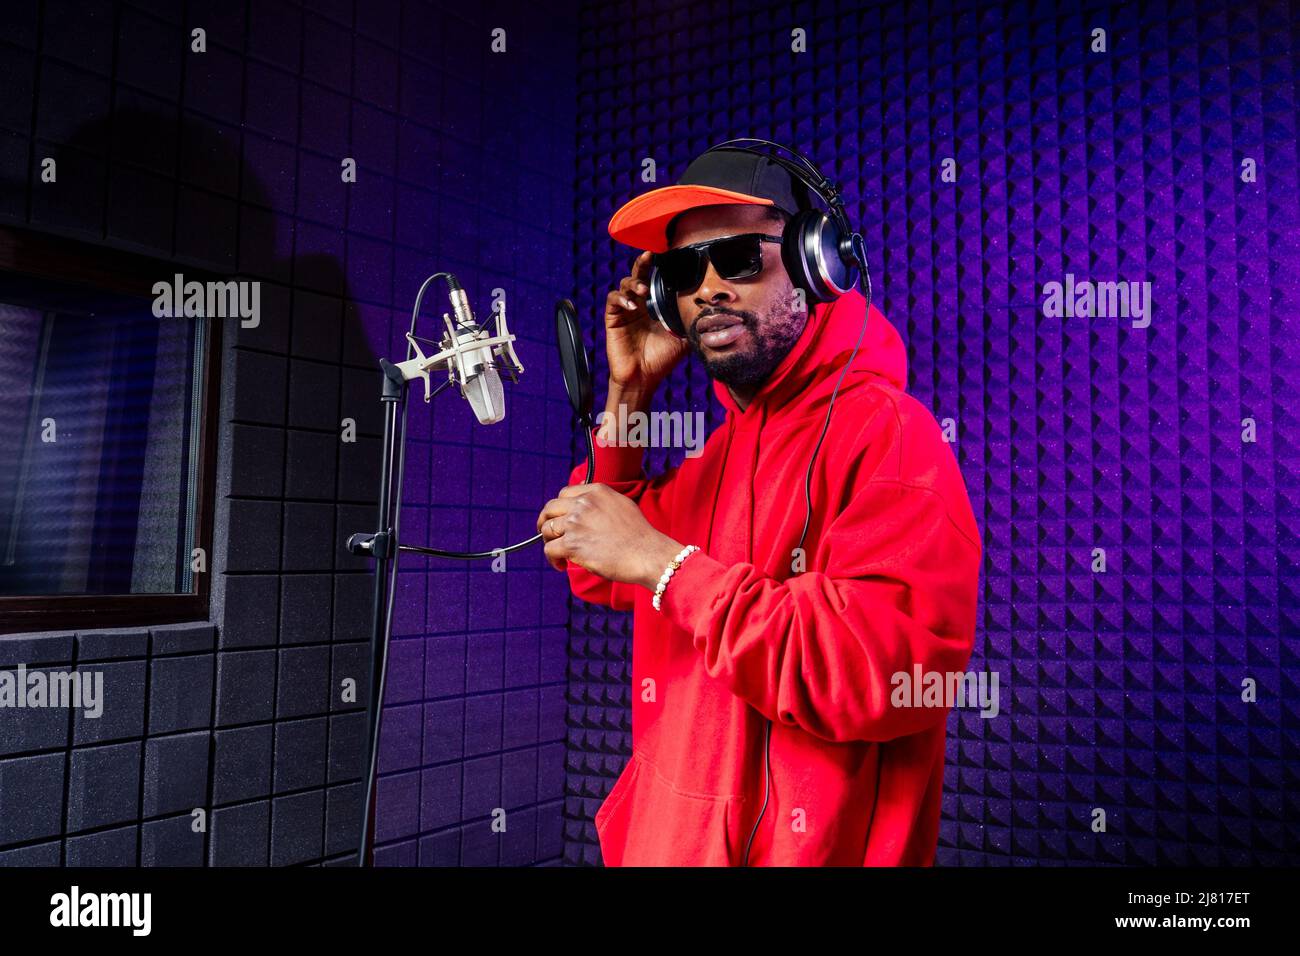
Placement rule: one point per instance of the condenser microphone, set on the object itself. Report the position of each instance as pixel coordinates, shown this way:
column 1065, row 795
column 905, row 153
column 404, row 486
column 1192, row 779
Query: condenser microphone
column 468, row 351
column 471, row 364
column 485, row 396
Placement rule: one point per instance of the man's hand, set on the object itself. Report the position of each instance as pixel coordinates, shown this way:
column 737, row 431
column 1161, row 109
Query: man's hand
column 605, row 532
column 641, row 352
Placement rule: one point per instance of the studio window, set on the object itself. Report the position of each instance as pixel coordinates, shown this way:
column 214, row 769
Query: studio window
column 105, row 442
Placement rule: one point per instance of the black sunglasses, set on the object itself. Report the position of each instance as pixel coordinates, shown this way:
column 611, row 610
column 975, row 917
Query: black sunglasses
column 733, row 257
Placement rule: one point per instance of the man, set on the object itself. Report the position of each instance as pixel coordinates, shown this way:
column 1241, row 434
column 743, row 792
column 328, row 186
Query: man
column 766, row 727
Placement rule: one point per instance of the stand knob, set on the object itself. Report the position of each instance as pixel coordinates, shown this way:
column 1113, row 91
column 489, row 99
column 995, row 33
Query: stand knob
column 374, row 545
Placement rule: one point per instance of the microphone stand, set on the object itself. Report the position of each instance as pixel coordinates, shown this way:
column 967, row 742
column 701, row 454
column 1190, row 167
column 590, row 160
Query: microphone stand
column 383, row 545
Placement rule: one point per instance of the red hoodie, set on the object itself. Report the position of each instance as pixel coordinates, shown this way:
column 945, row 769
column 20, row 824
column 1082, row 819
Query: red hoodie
column 889, row 585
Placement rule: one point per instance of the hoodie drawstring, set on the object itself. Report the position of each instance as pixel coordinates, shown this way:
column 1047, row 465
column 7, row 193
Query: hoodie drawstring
column 717, row 488
column 753, row 479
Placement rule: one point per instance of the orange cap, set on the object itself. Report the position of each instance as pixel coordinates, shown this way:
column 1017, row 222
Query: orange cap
column 642, row 222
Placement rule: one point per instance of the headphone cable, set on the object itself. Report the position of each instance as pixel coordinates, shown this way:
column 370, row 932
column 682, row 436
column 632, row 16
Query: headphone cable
column 859, row 254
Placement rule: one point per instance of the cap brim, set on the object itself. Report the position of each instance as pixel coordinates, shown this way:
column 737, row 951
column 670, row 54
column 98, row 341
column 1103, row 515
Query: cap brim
column 643, row 222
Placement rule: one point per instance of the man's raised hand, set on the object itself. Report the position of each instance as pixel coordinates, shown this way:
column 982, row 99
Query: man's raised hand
column 641, row 352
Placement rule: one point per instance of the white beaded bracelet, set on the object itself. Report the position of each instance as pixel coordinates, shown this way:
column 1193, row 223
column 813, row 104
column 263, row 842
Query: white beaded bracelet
column 673, row 565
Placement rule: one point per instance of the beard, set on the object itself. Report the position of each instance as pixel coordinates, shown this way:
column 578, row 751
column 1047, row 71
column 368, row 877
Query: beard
column 770, row 341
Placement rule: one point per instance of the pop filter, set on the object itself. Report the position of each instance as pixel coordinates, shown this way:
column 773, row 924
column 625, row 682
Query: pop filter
column 573, row 360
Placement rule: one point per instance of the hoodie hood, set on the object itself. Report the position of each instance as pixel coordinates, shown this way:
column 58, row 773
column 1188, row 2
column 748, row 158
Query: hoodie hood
column 800, row 387
column 812, row 366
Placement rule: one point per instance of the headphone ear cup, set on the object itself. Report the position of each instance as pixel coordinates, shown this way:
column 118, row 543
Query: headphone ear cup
column 810, row 249
column 661, row 302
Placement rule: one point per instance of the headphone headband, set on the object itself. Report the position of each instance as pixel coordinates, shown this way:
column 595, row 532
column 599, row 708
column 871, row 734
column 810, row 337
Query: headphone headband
column 810, row 175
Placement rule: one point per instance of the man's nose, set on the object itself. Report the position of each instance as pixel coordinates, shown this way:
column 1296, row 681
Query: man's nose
column 714, row 288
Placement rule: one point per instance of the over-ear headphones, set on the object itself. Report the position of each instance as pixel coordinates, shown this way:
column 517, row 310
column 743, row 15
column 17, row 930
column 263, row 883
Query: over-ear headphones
column 819, row 249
